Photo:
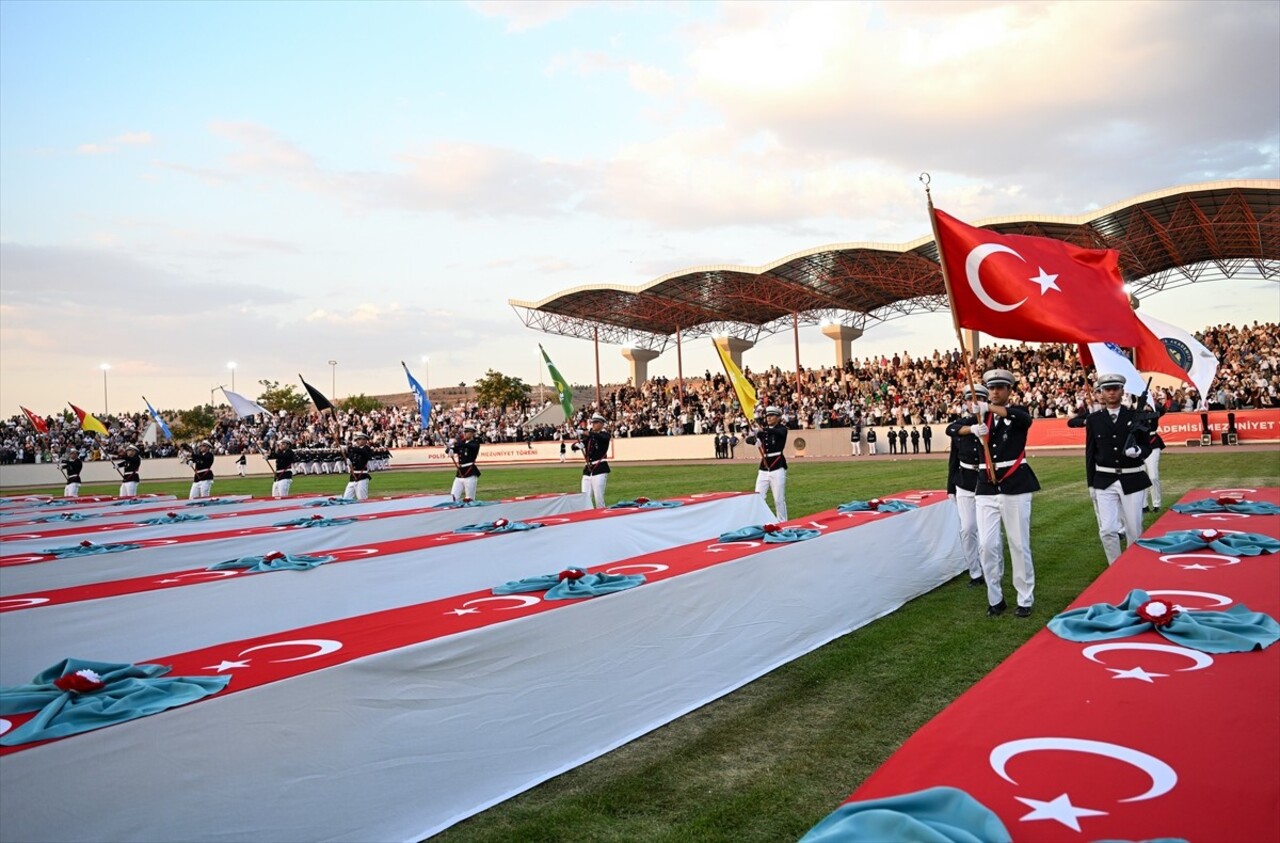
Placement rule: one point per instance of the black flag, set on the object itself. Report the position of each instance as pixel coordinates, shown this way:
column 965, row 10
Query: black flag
column 321, row 402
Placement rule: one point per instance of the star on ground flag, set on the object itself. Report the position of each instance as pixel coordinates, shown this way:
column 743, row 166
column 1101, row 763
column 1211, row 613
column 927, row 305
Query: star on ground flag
column 1035, row 289
column 561, row 385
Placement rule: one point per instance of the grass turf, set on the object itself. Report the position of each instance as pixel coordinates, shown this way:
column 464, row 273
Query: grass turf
column 768, row 761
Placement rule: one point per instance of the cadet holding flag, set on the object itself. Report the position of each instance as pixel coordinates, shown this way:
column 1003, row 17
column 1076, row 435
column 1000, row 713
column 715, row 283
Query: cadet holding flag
column 467, row 476
column 772, row 474
column 128, row 467
column 595, row 449
column 71, row 466
column 358, row 456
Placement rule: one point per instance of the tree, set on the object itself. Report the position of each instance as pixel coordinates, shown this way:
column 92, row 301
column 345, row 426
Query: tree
column 360, row 403
column 195, row 423
column 498, row 390
column 276, row 398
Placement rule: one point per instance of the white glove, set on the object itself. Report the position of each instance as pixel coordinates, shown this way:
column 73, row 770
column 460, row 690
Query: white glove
column 979, row 408
column 1133, row 452
column 979, row 429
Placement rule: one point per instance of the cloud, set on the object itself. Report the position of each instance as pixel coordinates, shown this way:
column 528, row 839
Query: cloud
column 93, row 149
column 521, row 15
column 134, row 139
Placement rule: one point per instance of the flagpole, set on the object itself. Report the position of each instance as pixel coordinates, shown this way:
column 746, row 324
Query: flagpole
column 955, row 321
column 431, row 425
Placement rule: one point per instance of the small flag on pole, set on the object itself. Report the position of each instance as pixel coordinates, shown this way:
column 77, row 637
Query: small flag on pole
column 1106, row 357
column 419, row 395
column 742, row 387
column 1197, row 364
column 317, row 397
column 88, row 422
column 561, row 385
column 243, row 407
column 36, row 422
column 159, row 421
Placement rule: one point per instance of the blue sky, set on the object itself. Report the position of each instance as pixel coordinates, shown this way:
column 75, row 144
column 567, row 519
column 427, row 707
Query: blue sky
column 282, row 184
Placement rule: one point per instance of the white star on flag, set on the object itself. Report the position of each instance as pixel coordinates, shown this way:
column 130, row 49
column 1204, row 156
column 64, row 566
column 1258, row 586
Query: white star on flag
column 226, row 665
column 1135, row 673
column 1046, row 281
column 461, row 612
column 1059, row 809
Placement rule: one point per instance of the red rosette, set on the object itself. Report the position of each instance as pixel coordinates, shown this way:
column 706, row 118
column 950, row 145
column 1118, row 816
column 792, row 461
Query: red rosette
column 272, row 556
column 772, row 528
column 1209, row 536
column 466, row 500
column 79, row 682
column 86, row 543
column 501, row 522
column 171, row 515
column 317, row 517
column 642, row 500
column 1228, row 500
column 1157, row 612
column 874, row 503
column 571, row 574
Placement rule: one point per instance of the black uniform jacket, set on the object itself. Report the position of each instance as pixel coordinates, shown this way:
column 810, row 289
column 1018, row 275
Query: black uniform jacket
column 1008, row 439
column 772, row 440
column 1104, row 459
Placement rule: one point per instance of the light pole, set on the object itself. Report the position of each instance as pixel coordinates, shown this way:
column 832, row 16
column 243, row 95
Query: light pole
column 106, row 408
column 333, row 378
column 232, row 367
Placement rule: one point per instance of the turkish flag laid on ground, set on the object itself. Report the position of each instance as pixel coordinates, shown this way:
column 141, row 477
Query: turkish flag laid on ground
column 1035, row 289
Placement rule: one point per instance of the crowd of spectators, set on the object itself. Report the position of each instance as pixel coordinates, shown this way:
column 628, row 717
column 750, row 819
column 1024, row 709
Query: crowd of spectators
column 892, row 390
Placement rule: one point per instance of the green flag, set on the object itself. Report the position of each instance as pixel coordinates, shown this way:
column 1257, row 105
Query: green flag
column 562, row 386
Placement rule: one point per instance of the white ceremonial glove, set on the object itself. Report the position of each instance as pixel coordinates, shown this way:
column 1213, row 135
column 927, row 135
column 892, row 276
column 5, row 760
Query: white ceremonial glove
column 1133, row 452
column 979, row 429
column 980, row 408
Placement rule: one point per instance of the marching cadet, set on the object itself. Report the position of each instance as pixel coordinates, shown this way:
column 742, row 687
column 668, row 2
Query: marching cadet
column 202, row 465
column 282, row 458
column 358, row 456
column 855, row 433
column 128, row 466
column 871, row 441
column 772, row 475
column 595, row 448
column 1007, row 500
column 1114, row 449
column 468, row 475
column 72, row 465
column 1153, row 472
column 963, row 465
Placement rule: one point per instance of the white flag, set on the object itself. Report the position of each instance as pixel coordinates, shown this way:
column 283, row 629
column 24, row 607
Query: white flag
column 1198, row 362
column 1108, row 359
column 149, row 435
column 243, row 406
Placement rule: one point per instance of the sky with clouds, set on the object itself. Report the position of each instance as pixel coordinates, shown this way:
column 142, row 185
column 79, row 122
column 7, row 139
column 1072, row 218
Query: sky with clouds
column 183, row 185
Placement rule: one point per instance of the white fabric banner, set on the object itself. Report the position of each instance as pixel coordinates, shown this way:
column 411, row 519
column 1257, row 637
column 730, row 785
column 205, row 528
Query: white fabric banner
column 1187, row 351
column 243, row 406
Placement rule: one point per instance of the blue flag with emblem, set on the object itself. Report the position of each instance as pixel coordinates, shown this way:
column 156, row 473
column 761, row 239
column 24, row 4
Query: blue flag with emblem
column 158, row 420
column 419, row 395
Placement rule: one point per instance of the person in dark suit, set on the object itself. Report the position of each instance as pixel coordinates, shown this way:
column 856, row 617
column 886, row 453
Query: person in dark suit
column 72, row 465
column 772, row 475
column 467, row 451
column 963, row 465
column 1114, row 451
column 902, row 440
column 926, row 434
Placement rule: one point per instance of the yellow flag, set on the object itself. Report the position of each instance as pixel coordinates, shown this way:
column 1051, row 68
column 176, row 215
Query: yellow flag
column 745, row 391
column 88, row 422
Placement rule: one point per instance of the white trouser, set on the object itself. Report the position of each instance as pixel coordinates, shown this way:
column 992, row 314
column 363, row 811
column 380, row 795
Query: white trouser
column 857, row 447
column 357, row 490
column 129, row 489
column 593, row 486
column 1118, row 512
column 967, row 510
column 200, row 489
column 71, row 490
column 775, row 481
column 1014, row 512
column 1153, row 471
column 280, row 488
column 464, row 487
column 240, row 470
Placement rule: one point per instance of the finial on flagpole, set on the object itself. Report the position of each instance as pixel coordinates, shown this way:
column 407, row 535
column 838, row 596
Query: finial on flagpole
column 925, row 179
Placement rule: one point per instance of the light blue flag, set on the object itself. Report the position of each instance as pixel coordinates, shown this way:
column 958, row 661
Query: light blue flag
column 420, row 394
column 152, row 410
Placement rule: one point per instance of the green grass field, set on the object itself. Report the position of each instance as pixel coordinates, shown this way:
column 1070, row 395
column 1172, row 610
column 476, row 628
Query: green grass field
column 768, row 761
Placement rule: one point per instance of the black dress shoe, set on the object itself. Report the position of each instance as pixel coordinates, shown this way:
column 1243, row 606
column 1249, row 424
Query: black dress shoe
column 1146, row 509
column 974, row 582
column 1023, row 612
column 996, row 610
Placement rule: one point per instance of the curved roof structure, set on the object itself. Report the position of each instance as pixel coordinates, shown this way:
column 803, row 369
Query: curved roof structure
column 1166, row 239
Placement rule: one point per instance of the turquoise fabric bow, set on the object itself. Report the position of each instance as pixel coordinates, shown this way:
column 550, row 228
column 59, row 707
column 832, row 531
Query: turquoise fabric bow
column 647, row 504
column 1235, row 630
column 494, row 527
column 935, row 815
column 1231, row 544
column 66, row 516
column 462, row 504
column 882, row 506
column 332, row 502
column 66, row 503
column 587, row 585
column 315, row 522
column 133, row 502
column 211, row 502
column 1212, row 505
column 272, row 562
column 129, row 691
column 87, row 549
column 174, row 518
column 780, row 536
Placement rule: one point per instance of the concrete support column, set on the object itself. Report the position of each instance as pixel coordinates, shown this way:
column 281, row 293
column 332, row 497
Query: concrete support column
column 971, row 341
column 639, row 358
column 844, row 337
column 735, row 347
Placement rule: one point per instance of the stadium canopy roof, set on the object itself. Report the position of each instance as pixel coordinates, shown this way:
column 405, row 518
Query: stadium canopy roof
column 1166, row 239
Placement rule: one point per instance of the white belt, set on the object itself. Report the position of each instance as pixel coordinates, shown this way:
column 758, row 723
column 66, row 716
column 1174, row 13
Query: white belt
column 969, row 466
column 1002, row 464
column 1134, row 470
column 597, row 462
column 774, row 454
column 465, row 464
